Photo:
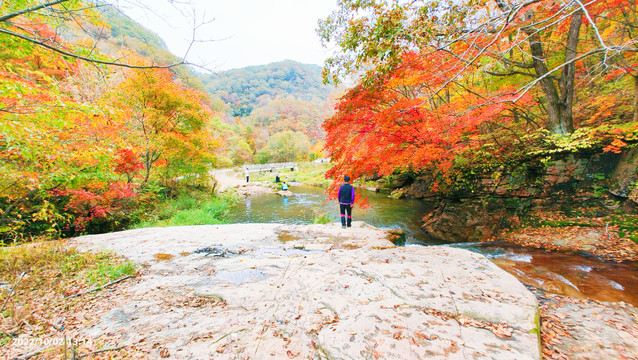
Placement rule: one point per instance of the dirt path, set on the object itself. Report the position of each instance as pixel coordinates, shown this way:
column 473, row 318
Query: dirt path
column 227, row 179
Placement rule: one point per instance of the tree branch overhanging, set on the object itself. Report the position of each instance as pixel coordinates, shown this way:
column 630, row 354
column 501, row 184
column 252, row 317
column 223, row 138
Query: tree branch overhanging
column 41, row 43
column 6, row 17
column 510, row 73
column 10, row 28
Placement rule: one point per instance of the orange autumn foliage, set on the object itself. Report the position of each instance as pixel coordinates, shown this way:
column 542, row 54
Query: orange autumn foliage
column 400, row 123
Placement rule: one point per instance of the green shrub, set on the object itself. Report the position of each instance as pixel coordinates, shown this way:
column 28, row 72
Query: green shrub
column 192, row 208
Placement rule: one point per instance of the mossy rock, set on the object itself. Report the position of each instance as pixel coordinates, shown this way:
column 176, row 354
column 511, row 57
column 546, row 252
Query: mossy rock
column 397, row 237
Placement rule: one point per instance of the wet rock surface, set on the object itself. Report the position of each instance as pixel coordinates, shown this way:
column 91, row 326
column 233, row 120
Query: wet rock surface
column 285, row 193
column 624, row 179
column 312, row 291
column 573, row 328
column 595, row 241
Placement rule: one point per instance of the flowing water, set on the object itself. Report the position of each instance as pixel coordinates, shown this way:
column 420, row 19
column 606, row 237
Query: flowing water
column 568, row 274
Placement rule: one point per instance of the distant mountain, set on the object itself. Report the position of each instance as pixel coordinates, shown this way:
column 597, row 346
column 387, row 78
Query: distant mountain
column 250, row 87
column 241, row 90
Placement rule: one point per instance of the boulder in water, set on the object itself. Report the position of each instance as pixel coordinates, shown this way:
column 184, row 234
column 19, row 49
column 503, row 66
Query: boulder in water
column 285, row 193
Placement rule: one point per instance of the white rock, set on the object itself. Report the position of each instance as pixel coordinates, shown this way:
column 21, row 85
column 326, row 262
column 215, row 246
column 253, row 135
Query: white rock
column 358, row 301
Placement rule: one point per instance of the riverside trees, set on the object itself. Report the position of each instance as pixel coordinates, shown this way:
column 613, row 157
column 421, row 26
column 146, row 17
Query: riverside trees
column 448, row 77
column 85, row 145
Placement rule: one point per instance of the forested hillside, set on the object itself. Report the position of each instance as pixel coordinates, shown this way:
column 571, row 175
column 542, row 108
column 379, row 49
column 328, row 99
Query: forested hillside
column 247, row 88
column 122, row 28
column 122, row 31
column 258, row 101
column 275, row 105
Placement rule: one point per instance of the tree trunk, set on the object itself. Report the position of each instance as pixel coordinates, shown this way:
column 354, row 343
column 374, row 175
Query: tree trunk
column 552, row 99
column 567, row 77
column 147, row 165
column 559, row 104
column 635, row 98
column 149, row 158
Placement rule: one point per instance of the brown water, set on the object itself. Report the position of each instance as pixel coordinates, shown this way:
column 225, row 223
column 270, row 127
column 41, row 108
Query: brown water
column 567, row 274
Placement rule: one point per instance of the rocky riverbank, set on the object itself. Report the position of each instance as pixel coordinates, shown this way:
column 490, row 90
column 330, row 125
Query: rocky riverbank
column 600, row 242
column 278, row 291
column 584, row 202
column 316, row 291
column 574, row 328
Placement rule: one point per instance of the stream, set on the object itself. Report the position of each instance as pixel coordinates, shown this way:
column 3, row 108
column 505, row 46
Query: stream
column 562, row 273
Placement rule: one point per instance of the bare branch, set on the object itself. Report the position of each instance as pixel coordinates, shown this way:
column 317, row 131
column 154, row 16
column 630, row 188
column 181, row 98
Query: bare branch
column 523, row 90
column 100, row 287
column 106, row 349
column 592, row 23
column 517, row 63
column 84, row 58
column 513, row 72
column 31, row 354
column 29, row 10
column 12, row 290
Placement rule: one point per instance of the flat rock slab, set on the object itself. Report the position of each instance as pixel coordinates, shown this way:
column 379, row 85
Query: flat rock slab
column 249, row 291
column 253, row 188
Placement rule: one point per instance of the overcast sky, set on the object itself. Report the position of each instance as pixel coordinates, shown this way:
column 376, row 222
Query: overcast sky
column 246, row 32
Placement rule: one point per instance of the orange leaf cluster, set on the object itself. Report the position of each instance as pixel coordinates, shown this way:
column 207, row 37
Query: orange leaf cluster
column 402, row 122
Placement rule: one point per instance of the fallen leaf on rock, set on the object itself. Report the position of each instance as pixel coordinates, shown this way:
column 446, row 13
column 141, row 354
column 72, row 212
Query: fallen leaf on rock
column 164, row 353
column 220, row 349
column 291, row 355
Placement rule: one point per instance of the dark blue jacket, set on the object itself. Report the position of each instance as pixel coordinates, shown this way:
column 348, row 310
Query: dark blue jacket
column 346, row 194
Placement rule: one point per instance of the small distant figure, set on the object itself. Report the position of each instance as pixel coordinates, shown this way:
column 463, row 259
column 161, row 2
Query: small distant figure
column 247, row 173
column 277, row 179
column 284, row 187
column 346, row 199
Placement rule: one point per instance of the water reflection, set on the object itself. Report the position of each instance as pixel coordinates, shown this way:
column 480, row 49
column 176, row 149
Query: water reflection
column 309, row 202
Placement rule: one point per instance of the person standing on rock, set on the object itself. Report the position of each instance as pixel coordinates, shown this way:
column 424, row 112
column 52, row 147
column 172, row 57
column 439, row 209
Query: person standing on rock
column 346, row 199
column 247, row 173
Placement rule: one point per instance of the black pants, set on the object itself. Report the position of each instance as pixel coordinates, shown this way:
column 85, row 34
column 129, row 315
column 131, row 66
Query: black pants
column 343, row 209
